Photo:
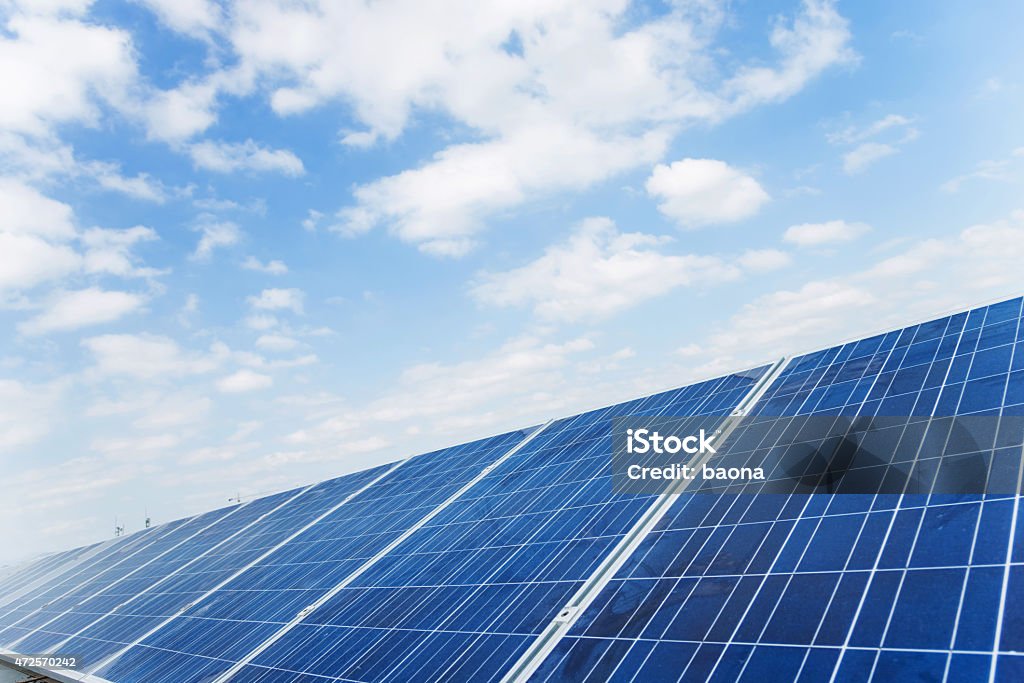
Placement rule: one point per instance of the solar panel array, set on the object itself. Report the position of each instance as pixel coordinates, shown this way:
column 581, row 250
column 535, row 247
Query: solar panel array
column 841, row 587
column 457, row 564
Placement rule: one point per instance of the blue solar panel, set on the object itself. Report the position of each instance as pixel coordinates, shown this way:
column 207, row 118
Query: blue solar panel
column 825, row 586
column 451, row 565
column 97, row 602
column 113, row 618
column 207, row 638
column 21, row 578
column 466, row 593
column 29, row 622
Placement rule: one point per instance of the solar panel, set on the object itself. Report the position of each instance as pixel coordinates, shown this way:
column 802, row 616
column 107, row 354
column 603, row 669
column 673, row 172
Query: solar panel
column 464, row 594
column 21, row 578
column 516, row 558
column 114, row 614
column 28, row 623
column 882, row 586
column 209, row 636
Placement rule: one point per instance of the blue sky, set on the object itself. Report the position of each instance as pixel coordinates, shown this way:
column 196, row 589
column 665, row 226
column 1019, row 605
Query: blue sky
column 253, row 244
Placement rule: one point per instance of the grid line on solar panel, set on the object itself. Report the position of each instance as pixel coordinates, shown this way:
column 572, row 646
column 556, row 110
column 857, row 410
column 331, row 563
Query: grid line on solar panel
column 369, row 563
column 150, row 578
column 135, row 613
column 790, row 572
column 67, row 582
column 33, row 625
column 27, row 577
column 545, row 642
column 207, row 639
column 67, row 572
column 525, row 538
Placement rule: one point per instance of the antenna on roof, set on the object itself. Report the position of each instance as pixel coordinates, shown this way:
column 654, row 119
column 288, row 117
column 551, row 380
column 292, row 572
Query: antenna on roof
column 147, row 517
column 118, row 528
column 236, row 499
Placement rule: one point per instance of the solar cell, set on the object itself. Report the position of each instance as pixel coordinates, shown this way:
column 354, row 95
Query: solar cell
column 882, row 586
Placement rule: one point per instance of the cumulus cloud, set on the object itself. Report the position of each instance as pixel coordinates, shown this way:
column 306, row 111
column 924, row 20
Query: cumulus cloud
column 441, row 205
column 699, row 192
column 829, row 232
column 110, row 251
column 274, row 267
column 57, row 69
column 214, row 234
column 226, row 157
column 82, row 308
column 39, row 242
column 178, row 114
column 597, row 272
column 559, row 113
column 278, row 299
column 195, row 18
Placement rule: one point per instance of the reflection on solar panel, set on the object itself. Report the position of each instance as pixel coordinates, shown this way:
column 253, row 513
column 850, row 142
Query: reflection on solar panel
column 514, row 557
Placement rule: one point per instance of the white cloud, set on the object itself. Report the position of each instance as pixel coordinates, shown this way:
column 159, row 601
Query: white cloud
column 226, row 157
column 244, row 380
column 855, row 134
column 311, row 220
column 54, row 69
column 271, row 267
column 561, row 113
column 190, row 17
column 276, row 342
column 864, row 155
column 37, row 242
column 895, row 129
column 829, row 232
column 999, row 170
column 109, row 251
column 597, row 272
column 28, row 212
column 141, row 186
column 440, row 206
column 698, row 192
column 180, row 113
column 34, row 159
column 82, row 308
column 764, row 260
column 34, row 230
column 26, row 261
column 215, row 234
column 933, row 275
column 278, row 299
column 149, row 356
column 462, row 395
column 817, row 39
